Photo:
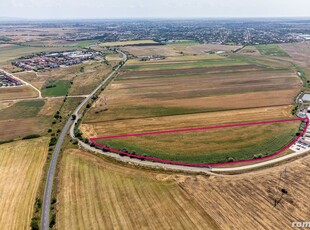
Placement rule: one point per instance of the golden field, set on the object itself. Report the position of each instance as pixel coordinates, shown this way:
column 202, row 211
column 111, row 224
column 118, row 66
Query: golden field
column 96, row 194
column 21, row 169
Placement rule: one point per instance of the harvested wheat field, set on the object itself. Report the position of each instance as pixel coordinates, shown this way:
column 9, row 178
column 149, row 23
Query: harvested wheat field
column 194, row 91
column 98, row 128
column 178, row 49
column 299, row 52
column 21, row 168
column 17, row 93
column 178, row 86
column 248, row 201
column 151, row 50
column 96, row 194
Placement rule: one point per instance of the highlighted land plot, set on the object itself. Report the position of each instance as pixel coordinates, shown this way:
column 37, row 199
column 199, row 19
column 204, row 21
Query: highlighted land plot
column 208, row 146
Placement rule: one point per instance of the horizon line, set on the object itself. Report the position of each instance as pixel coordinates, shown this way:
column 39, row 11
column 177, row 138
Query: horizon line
column 155, row 18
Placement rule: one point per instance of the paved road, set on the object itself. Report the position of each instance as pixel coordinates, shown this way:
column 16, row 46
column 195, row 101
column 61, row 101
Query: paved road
column 204, row 170
column 24, row 82
column 50, row 178
column 51, row 172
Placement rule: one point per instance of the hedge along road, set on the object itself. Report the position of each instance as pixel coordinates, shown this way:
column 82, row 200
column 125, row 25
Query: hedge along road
column 140, row 157
column 51, row 172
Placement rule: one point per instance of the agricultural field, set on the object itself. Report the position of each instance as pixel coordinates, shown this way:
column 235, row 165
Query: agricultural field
column 20, row 119
column 212, row 146
column 17, row 93
column 233, row 202
column 299, row 53
column 5, row 39
column 129, row 43
column 21, row 169
column 183, row 42
column 10, row 52
column 56, row 88
column 271, row 50
column 96, row 194
column 86, row 44
column 249, row 50
column 194, row 91
column 113, row 59
column 158, row 50
column 199, row 49
column 178, row 49
column 22, row 109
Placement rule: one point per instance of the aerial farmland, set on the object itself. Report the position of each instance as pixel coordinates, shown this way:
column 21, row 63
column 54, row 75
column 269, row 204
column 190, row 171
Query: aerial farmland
column 154, row 124
column 197, row 91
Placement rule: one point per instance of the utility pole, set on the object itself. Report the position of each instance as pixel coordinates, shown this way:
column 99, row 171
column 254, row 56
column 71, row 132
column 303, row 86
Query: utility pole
column 281, row 186
column 105, row 103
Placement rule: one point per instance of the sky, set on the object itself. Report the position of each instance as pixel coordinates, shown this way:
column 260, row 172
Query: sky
column 101, row 9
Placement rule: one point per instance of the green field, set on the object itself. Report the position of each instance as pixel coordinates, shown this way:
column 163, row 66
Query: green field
column 61, row 89
column 5, row 39
column 211, row 146
column 184, row 42
column 129, row 43
column 85, row 44
column 271, row 50
column 25, row 109
column 183, row 65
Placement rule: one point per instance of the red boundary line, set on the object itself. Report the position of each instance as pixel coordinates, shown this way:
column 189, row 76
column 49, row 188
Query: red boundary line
column 93, row 141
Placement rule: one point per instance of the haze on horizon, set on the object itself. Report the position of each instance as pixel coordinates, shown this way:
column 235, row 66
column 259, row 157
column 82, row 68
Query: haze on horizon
column 97, row 9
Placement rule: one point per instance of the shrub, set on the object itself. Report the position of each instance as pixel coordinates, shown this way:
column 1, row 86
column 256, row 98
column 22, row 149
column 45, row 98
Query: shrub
column 54, row 200
column 53, row 141
column 283, row 190
column 75, row 142
column 34, row 225
column 53, row 220
column 231, row 159
column 38, row 203
column 31, row 136
column 4, row 142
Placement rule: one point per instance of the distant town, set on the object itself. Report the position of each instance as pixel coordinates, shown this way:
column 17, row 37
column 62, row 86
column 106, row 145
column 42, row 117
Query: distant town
column 228, row 32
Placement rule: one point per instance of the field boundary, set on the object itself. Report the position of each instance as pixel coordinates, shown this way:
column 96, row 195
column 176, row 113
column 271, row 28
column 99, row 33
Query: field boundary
column 141, row 157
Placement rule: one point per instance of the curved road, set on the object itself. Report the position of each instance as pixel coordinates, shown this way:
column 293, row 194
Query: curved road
column 51, row 172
